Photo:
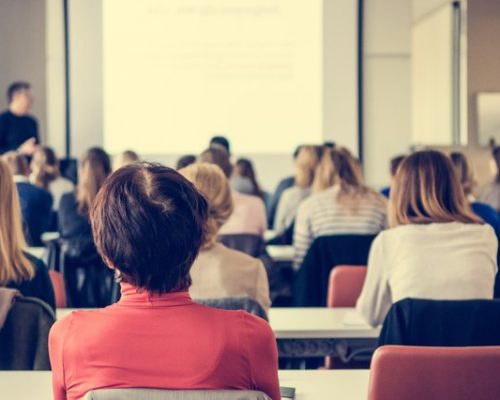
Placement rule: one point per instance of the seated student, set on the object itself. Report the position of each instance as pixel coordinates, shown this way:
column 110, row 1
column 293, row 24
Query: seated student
column 45, row 174
column 125, row 158
column 243, row 178
column 219, row 271
column 148, row 223
column 74, row 228
column 249, row 214
column 466, row 178
column 490, row 194
column 340, row 204
column 436, row 249
column 220, row 143
column 393, row 169
column 305, row 166
column 18, row 269
column 36, row 203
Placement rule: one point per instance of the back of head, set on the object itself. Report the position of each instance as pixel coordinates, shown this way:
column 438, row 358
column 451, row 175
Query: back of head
column 14, row 266
column 17, row 163
column 218, row 157
column 221, row 143
column 426, row 189
column 126, row 158
column 463, row 171
column 213, row 184
column 95, row 168
column 148, row 222
column 305, row 165
column 44, row 166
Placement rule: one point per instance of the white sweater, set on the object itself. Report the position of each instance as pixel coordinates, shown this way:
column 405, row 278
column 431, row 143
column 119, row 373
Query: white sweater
column 442, row 261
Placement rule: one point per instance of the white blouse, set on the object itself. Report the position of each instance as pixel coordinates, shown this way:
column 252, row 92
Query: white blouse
column 441, row 261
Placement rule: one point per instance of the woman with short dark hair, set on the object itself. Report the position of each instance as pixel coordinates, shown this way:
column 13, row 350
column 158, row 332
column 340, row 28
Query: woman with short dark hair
column 148, row 224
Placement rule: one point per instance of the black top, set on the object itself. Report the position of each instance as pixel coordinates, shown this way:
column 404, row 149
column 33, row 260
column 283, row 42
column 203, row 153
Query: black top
column 40, row 286
column 15, row 130
column 72, row 224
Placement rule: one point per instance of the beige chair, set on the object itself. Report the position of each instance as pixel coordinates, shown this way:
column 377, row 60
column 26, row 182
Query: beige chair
column 161, row 394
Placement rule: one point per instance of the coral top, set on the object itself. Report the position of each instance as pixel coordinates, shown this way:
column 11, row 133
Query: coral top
column 162, row 341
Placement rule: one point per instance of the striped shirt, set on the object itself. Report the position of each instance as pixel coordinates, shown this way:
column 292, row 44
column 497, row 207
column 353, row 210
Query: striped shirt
column 322, row 214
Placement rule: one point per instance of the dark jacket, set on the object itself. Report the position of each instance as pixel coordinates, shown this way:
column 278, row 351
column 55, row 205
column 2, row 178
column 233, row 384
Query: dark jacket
column 326, row 252
column 40, row 286
column 15, row 130
column 417, row 322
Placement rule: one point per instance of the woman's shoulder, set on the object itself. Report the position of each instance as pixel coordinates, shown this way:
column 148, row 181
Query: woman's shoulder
column 231, row 256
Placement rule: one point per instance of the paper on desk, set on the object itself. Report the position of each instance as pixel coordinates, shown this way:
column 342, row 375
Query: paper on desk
column 354, row 319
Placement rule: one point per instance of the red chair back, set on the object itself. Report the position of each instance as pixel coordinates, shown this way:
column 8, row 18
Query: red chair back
column 345, row 285
column 59, row 289
column 435, row 373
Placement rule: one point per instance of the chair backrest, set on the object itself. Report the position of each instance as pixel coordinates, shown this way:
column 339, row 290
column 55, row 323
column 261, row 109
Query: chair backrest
column 24, row 336
column 435, row 373
column 346, row 283
column 161, row 394
column 235, row 303
column 418, row 322
column 253, row 245
column 59, row 289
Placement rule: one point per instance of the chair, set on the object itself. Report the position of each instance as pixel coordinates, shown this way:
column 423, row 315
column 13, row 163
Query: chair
column 24, row 336
column 417, row 322
column 345, row 285
column 162, row 394
column 326, row 253
column 435, row 373
column 251, row 244
column 235, row 303
column 59, row 289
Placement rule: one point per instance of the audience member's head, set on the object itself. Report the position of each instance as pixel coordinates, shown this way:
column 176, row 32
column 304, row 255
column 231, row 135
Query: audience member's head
column 218, row 157
column 126, row 158
column 244, row 170
column 19, row 97
column 14, row 266
column 44, row 167
column 184, row 161
column 426, row 190
column 394, row 164
column 464, row 171
column 220, row 142
column 95, row 168
column 148, row 223
column 495, row 154
column 305, row 165
column 213, row 184
column 18, row 164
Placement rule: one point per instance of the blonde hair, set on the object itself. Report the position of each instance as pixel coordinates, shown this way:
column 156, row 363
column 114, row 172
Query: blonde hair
column 211, row 181
column 464, row 171
column 126, row 158
column 306, row 164
column 339, row 167
column 14, row 266
column 426, row 190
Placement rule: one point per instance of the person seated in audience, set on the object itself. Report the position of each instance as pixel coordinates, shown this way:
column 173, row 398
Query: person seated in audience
column 340, row 204
column 18, row 269
column 305, row 166
column 36, row 203
column 149, row 223
column 244, row 180
column 45, row 174
column 393, row 168
column 221, row 143
column 75, row 231
column 466, row 178
column 437, row 248
column 219, row 271
column 249, row 214
column 184, row 161
column 491, row 193
column 126, row 158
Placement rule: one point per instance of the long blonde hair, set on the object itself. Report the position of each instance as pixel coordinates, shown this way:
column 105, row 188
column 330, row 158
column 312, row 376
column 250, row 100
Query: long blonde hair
column 305, row 165
column 14, row 266
column 210, row 180
column 426, row 190
column 95, row 168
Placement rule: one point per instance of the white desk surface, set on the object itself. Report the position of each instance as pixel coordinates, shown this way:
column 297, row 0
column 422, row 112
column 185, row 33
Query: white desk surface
column 309, row 385
column 280, row 253
column 309, row 323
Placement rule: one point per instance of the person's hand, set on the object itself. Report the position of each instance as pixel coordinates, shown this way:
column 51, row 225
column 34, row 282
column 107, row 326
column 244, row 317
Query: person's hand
column 28, row 147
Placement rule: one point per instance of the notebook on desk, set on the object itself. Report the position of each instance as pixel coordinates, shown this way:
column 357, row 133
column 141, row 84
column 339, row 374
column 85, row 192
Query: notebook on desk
column 287, row 393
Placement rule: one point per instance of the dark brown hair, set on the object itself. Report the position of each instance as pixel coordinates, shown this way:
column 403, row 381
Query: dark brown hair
column 44, row 167
column 244, row 168
column 218, row 157
column 495, row 153
column 464, row 171
column 395, row 162
column 148, row 222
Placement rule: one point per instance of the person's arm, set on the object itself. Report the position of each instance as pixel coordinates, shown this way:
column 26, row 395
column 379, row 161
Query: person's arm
column 57, row 336
column 262, row 287
column 375, row 299
column 281, row 213
column 302, row 235
column 262, row 353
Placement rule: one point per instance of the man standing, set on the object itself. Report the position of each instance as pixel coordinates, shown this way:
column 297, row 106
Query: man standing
column 18, row 130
